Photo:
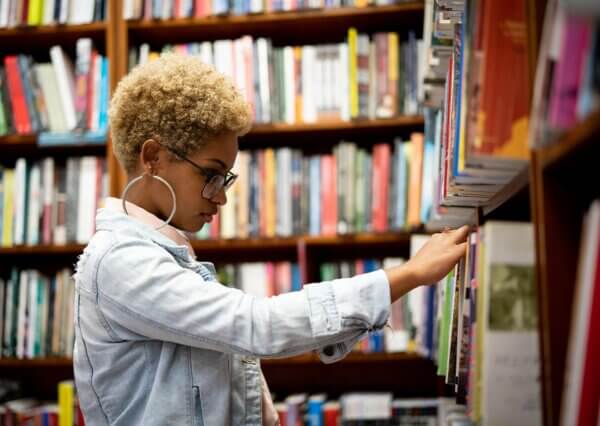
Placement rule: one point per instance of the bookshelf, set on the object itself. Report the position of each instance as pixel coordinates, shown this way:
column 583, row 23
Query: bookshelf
column 565, row 177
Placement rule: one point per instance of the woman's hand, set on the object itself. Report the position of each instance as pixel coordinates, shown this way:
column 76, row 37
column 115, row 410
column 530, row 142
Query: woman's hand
column 431, row 263
column 438, row 256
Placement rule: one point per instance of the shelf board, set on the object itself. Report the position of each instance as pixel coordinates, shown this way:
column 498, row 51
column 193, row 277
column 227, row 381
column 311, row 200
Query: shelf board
column 576, row 140
column 28, row 38
column 36, row 362
column 292, row 25
column 336, row 126
column 68, row 250
column 26, row 146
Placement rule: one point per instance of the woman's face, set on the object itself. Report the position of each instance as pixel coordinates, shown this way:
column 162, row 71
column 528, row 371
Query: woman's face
column 193, row 209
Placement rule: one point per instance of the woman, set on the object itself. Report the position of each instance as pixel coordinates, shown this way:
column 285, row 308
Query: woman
column 158, row 340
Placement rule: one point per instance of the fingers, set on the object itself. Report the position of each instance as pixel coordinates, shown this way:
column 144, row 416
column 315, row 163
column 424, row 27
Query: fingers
column 459, row 235
column 460, row 250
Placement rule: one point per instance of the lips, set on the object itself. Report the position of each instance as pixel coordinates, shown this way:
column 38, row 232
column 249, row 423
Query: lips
column 207, row 216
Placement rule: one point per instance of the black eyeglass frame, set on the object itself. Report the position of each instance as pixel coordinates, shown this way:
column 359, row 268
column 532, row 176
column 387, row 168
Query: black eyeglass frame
column 225, row 181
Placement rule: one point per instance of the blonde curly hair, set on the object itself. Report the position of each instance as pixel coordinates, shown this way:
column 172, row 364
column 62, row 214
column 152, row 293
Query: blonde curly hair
column 179, row 100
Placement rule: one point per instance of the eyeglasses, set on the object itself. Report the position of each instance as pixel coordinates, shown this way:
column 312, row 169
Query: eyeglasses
column 214, row 181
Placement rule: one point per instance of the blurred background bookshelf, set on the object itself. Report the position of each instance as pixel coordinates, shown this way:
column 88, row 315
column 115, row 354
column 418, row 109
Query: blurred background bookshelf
column 550, row 181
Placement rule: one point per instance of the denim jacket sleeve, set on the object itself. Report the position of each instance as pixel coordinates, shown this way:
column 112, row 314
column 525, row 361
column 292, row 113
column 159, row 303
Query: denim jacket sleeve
column 144, row 293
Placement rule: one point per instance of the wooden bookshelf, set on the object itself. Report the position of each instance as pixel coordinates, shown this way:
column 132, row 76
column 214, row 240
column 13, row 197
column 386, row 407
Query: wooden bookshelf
column 565, row 182
column 35, row 39
column 293, row 25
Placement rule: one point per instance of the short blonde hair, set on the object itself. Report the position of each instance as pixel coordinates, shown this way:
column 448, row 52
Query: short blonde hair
column 177, row 99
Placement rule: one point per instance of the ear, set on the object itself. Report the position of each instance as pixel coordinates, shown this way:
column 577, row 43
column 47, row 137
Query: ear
column 151, row 156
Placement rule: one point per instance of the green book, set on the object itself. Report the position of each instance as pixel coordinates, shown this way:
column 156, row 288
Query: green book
column 444, row 329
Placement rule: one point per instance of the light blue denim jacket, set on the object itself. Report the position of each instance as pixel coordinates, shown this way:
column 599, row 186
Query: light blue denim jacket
column 160, row 342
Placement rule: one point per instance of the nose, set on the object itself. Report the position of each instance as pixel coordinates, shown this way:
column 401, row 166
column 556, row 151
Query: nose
column 220, row 197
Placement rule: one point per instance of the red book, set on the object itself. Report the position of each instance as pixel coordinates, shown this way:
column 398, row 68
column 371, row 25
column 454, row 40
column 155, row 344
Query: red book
column 331, row 414
column 17, row 95
column 328, row 195
column 590, row 383
column 381, row 184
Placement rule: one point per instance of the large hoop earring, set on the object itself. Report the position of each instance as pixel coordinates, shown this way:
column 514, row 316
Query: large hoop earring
column 136, row 180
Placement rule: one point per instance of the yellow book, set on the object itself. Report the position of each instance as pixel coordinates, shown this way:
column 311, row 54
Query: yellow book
column 393, row 67
column 65, row 403
column 8, row 206
column 153, row 56
column 298, row 88
column 270, row 178
column 353, row 65
column 35, row 12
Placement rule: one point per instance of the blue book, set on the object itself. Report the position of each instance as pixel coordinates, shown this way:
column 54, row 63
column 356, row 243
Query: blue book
column 296, row 279
column 103, row 98
column 315, row 410
column 315, row 196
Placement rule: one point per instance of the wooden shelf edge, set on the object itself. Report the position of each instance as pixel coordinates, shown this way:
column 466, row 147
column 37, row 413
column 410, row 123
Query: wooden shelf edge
column 579, row 136
column 44, row 30
column 36, row 362
column 337, row 125
column 280, row 17
column 15, row 140
column 69, row 249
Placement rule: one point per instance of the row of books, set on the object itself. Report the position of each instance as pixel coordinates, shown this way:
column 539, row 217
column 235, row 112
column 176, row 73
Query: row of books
column 55, row 97
column 367, row 408
column 36, row 314
column 567, row 89
column 477, row 84
column 30, row 411
column 169, row 9
column 480, row 326
column 15, row 13
column 34, row 205
column 365, row 77
column 280, row 192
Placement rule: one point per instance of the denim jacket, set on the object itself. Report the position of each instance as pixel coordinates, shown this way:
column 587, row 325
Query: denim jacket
column 160, row 342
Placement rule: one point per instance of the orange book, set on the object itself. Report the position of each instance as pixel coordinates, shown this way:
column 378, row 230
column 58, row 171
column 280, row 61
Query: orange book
column 298, row 77
column 328, row 195
column 416, row 171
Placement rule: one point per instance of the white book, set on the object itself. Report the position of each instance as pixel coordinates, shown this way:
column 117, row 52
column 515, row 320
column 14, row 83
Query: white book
column 240, row 68
column 48, row 192
column 257, row 6
column 81, row 12
column 206, row 52
column 20, row 201
column 510, row 386
column 343, row 82
column 48, row 16
column 64, row 11
column 63, row 69
column 49, row 85
column 144, row 53
column 262, row 45
column 167, row 9
column 309, row 112
column 580, row 322
column 22, row 313
column 32, row 319
column 128, row 9
column 290, row 84
column 86, row 208
column 284, row 191
column 223, row 51
column 34, row 211
column 69, row 323
column 4, row 9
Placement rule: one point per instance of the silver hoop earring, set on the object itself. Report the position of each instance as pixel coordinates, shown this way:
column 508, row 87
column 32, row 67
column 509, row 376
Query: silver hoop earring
column 136, row 180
